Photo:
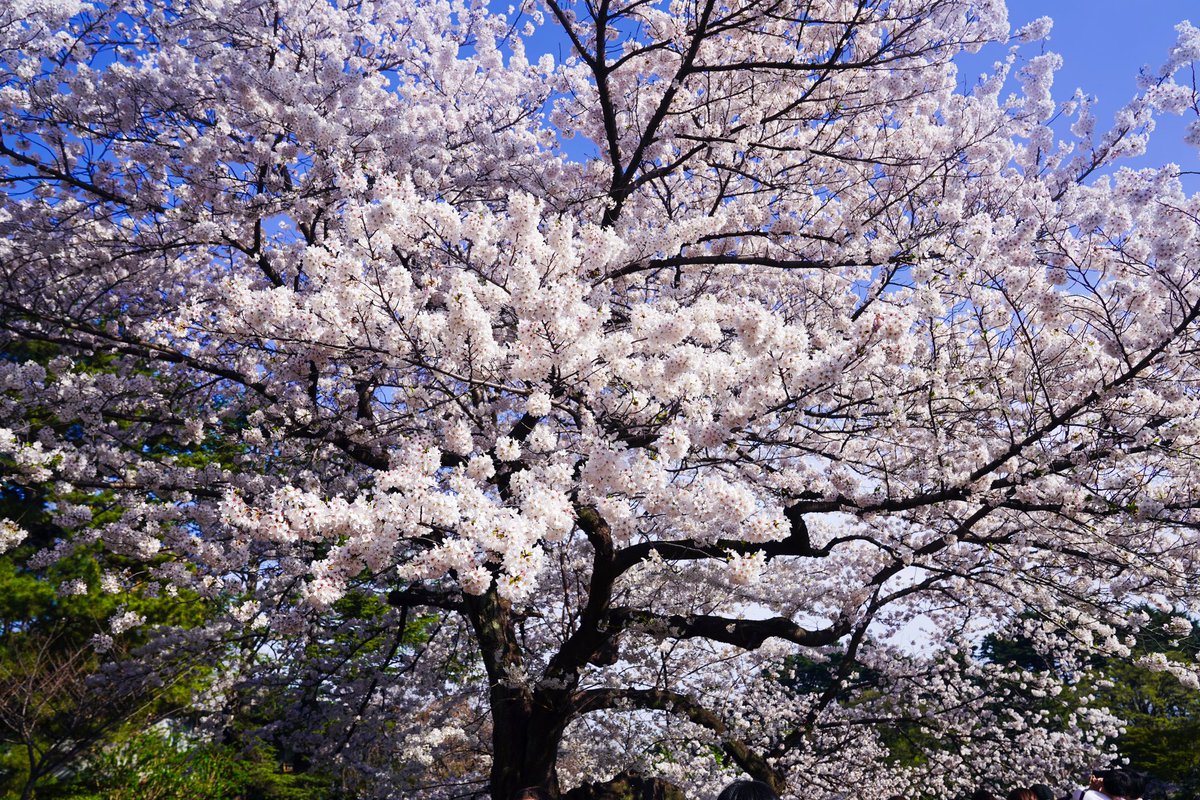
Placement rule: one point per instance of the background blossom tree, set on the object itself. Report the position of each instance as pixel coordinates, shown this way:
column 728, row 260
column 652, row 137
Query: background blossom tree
column 551, row 468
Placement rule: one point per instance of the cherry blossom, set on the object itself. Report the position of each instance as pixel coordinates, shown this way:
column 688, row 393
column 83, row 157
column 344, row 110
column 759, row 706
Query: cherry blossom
column 811, row 355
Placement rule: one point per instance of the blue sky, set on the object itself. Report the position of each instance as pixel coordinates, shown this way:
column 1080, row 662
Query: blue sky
column 1103, row 44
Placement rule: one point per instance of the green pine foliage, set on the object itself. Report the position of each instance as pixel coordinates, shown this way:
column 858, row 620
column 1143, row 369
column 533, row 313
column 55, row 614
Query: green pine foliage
column 62, row 698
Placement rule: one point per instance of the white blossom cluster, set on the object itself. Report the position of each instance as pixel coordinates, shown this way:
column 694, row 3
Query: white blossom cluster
column 11, row 534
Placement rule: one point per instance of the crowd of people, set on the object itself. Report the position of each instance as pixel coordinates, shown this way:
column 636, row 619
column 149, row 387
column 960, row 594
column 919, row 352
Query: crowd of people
column 738, row 790
column 747, row 790
column 1110, row 784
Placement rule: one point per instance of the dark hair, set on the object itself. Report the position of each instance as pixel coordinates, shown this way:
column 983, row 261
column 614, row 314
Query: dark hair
column 747, row 790
column 1021, row 793
column 1042, row 791
column 982, row 794
column 1117, row 784
column 532, row 793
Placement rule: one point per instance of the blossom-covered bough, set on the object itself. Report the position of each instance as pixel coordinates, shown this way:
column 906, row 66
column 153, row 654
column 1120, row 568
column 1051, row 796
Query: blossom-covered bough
column 549, row 468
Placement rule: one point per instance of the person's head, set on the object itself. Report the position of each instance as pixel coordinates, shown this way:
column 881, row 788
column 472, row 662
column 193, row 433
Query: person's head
column 1021, row 793
column 532, row 793
column 1042, row 791
column 983, row 794
column 747, row 790
column 1117, row 784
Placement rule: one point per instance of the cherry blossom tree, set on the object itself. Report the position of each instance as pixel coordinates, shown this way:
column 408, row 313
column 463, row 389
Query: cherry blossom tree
column 551, row 468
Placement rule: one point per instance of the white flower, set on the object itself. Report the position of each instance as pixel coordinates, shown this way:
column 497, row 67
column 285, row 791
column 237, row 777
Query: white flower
column 475, row 580
column 507, row 449
column 458, row 439
column 745, row 568
column 674, row 443
column 538, row 404
column 246, row 611
column 11, row 535
column 73, row 587
column 1037, row 29
column 1179, row 626
column 125, row 620
column 481, row 468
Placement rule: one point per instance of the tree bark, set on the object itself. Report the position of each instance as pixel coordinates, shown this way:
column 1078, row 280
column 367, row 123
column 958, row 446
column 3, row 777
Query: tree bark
column 527, row 722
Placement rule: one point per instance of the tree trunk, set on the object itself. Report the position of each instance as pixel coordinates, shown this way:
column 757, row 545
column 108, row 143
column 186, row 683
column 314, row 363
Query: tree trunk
column 527, row 729
column 29, row 790
column 510, row 731
column 527, row 723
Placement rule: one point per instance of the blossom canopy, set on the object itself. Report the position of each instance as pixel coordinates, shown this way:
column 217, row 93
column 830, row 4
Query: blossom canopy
column 511, row 467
